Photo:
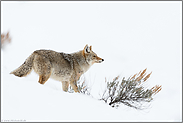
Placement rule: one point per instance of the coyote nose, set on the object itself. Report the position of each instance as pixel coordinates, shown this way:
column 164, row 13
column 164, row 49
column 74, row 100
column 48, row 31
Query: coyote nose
column 102, row 59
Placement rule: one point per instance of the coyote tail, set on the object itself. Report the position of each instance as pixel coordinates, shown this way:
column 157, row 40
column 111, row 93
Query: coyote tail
column 25, row 68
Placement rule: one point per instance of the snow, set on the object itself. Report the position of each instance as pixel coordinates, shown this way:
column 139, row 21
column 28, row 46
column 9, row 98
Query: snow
column 129, row 36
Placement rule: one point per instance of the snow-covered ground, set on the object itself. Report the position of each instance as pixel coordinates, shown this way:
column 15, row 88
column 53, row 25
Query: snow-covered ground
column 129, row 36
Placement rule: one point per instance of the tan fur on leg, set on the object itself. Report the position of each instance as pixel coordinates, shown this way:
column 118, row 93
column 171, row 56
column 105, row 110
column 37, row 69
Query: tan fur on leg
column 43, row 78
column 74, row 86
column 65, row 86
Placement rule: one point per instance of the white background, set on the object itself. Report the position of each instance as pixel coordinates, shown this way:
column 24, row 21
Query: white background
column 129, row 36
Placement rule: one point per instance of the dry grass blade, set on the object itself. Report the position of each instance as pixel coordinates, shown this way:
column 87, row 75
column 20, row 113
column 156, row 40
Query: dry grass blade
column 83, row 82
column 133, row 76
column 156, row 89
column 143, row 72
column 140, row 77
column 84, row 87
column 138, row 73
column 5, row 38
column 139, row 89
column 116, row 78
column 147, row 77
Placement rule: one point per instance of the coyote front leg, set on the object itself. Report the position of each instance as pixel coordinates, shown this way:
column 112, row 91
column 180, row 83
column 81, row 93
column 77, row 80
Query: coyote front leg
column 74, row 86
column 73, row 83
column 65, row 85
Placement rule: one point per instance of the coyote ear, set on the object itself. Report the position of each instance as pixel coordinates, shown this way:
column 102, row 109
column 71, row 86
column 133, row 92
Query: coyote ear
column 91, row 48
column 87, row 49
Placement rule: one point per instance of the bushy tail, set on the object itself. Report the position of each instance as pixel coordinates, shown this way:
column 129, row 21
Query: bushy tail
column 25, row 68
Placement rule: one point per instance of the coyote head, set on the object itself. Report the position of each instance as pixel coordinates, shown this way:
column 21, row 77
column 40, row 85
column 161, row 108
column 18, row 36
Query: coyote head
column 90, row 56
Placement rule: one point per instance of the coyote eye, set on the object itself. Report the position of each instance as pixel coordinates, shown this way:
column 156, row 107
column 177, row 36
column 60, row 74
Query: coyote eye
column 94, row 56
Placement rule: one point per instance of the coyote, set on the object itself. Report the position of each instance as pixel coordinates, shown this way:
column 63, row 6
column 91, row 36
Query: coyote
column 60, row 66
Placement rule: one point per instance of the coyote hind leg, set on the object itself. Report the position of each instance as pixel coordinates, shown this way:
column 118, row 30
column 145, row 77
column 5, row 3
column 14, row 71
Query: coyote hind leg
column 43, row 78
column 42, row 67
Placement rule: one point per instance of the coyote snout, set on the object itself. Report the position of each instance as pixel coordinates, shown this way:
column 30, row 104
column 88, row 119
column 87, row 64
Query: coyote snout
column 60, row 66
column 100, row 60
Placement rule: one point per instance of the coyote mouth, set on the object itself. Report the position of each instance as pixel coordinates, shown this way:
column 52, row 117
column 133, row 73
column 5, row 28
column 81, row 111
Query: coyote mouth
column 100, row 61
